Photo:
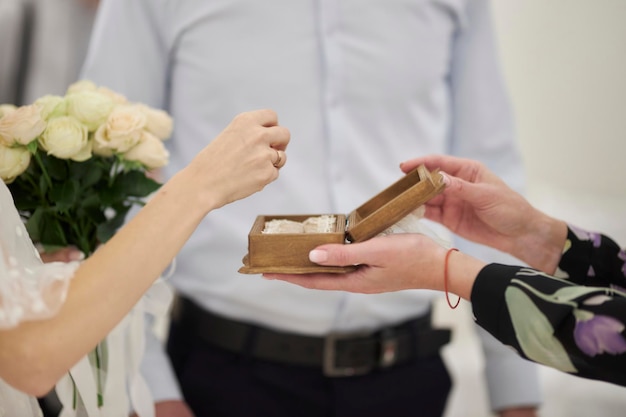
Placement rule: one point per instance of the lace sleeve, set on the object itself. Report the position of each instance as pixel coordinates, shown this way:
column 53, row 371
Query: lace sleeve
column 29, row 289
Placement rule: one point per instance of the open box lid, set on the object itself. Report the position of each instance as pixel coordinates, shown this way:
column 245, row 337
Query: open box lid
column 393, row 203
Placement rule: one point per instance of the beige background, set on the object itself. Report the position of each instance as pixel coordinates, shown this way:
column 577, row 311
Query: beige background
column 565, row 65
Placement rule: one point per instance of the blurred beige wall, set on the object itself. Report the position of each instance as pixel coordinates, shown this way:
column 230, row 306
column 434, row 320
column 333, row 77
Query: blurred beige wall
column 565, row 66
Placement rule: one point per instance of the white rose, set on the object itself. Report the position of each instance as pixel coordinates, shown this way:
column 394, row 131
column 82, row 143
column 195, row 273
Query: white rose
column 122, row 130
column 52, row 106
column 90, row 108
column 82, row 85
column 150, row 152
column 6, row 109
column 98, row 148
column 85, row 153
column 117, row 98
column 21, row 126
column 13, row 161
column 65, row 138
column 158, row 122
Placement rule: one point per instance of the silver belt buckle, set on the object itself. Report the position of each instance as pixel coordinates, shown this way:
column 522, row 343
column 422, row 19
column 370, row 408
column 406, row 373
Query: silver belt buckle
column 330, row 367
column 388, row 350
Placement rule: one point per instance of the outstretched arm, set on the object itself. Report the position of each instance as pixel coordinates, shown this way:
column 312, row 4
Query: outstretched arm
column 239, row 162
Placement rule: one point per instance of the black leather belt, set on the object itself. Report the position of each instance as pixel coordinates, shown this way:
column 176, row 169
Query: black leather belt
column 338, row 354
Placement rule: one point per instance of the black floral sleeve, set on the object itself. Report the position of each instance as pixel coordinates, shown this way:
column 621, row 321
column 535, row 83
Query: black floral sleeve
column 573, row 321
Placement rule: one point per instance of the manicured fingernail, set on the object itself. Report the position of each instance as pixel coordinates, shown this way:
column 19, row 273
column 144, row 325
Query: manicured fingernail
column 76, row 255
column 445, row 178
column 318, row 256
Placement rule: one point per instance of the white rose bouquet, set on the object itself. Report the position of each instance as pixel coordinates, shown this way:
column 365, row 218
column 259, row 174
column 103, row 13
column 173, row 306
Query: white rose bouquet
column 76, row 164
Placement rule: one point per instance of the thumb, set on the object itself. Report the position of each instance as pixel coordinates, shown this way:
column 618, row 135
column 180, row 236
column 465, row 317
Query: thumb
column 463, row 190
column 336, row 255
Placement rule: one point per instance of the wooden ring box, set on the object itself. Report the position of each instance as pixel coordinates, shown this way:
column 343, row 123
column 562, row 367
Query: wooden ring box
column 288, row 253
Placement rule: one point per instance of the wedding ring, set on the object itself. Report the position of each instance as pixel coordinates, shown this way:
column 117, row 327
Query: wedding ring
column 278, row 159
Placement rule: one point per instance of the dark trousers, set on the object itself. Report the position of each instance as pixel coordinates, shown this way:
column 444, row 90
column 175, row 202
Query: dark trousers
column 220, row 383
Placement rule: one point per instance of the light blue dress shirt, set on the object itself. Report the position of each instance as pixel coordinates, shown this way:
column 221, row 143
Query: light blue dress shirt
column 361, row 84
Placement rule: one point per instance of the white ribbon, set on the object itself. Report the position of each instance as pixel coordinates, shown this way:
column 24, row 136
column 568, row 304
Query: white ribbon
column 120, row 366
column 115, row 399
column 82, row 375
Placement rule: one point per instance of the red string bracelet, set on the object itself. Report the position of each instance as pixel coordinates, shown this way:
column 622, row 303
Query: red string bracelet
column 445, row 279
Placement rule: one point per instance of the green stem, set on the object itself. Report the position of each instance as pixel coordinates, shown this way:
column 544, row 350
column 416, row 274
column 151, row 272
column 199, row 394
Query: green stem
column 74, row 393
column 113, row 171
column 34, row 187
column 81, row 240
column 99, row 376
column 43, row 169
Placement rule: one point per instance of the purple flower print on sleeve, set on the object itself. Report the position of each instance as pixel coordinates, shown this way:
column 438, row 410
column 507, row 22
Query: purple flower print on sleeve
column 581, row 234
column 591, row 272
column 598, row 334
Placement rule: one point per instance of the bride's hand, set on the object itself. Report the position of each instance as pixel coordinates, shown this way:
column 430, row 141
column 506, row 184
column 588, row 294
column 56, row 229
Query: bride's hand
column 67, row 254
column 242, row 159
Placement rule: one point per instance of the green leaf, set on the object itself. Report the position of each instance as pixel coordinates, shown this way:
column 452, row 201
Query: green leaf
column 88, row 173
column 45, row 228
column 52, row 233
column 32, row 147
column 108, row 229
column 534, row 332
column 106, row 163
column 78, row 169
column 23, row 196
column 64, row 195
column 57, row 168
column 43, row 185
column 130, row 184
column 110, row 196
column 91, row 177
column 90, row 208
column 136, row 184
column 34, row 225
column 132, row 165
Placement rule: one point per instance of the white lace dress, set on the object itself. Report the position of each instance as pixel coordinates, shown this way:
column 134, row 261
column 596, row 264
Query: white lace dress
column 32, row 290
column 29, row 290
